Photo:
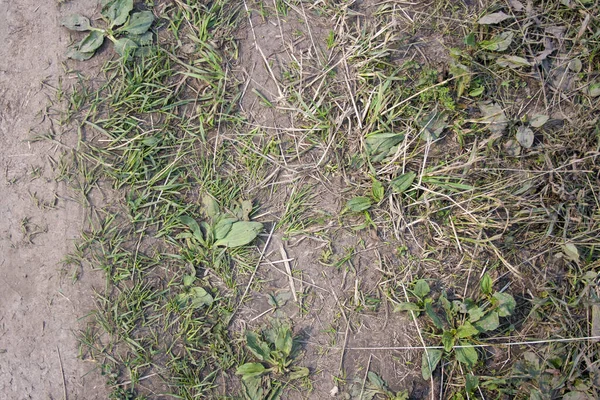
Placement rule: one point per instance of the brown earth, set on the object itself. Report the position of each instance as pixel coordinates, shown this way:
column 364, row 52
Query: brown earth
column 41, row 304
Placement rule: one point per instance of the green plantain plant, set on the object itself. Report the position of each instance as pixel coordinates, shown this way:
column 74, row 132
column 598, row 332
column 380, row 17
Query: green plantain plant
column 275, row 351
column 128, row 31
column 458, row 324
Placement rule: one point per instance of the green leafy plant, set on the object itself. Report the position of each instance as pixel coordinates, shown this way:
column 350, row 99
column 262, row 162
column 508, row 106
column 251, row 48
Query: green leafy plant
column 222, row 229
column 127, row 30
column 457, row 324
column 275, row 351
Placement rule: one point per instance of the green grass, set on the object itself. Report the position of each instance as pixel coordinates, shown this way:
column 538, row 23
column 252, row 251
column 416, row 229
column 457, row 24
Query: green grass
column 366, row 103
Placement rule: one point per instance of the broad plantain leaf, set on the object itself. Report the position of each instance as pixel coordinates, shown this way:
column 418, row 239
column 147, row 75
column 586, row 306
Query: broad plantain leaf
column 200, row 297
column 358, row 204
column 240, row 234
column 250, row 370
column 472, row 382
column 76, row 22
column 193, row 225
column 211, row 207
column 489, row 322
column 466, row 330
column 379, row 145
column 448, row 341
column 117, row 11
column 139, row 23
column 284, row 342
column 223, row 226
column 421, row 288
column 298, row 372
column 437, row 321
column 141, row 40
column 75, row 54
column 407, row 307
column 377, row 191
column 257, row 346
column 466, row 355
column 506, row 304
column 401, row 183
column 486, row 284
column 429, row 362
column 125, row 47
column 91, row 42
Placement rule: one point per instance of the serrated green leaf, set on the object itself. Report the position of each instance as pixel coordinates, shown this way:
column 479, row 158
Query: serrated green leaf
column 117, row 11
column 429, row 362
column 407, row 307
column 421, row 288
column 298, row 373
column 200, row 297
column 401, row 183
column 505, row 304
column 257, row 346
column 448, row 341
column 466, row 330
column 466, row 355
column 193, row 225
column 76, row 22
column 377, row 191
column 125, row 47
column 489, row 322
column 250, row 370
column 240, row 234
column 359, row 204
column 486, row 284
column 139, row 23
column 91, row 42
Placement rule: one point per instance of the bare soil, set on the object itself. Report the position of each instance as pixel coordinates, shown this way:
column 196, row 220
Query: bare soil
column 42, row 306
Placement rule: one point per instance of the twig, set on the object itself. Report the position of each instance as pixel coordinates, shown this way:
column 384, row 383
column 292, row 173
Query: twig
column 289, row 271
column 62, row 371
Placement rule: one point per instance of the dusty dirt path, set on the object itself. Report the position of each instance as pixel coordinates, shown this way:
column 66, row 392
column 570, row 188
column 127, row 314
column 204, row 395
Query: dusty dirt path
column 39, row 303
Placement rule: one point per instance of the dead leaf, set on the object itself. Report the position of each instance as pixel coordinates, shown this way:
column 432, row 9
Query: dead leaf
column 556, row 31
column 512, row 148
column 516, row 5
column 571, row 252
column 593, row 90
column 494, row 116
column 525, row 136
column 584, row 26
column 513, row 62
column 575, row 65
column 494, row 18
column 538, row 120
